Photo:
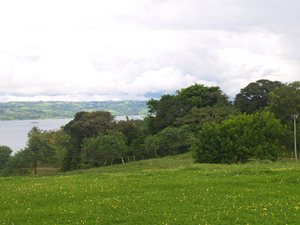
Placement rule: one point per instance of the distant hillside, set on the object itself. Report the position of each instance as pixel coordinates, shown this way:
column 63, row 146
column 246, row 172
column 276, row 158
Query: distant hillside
column 60, row 110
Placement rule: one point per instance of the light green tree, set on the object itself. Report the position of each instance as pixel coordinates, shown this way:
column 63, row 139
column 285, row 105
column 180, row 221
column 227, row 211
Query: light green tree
column 42, row 150
column 240, row 138
column 99, row 150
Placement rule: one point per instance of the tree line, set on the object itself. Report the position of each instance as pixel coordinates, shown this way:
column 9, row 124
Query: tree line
column 61, row 110
column 257, row 125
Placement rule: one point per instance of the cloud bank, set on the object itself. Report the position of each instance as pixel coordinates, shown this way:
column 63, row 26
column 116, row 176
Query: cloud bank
column 121, row 50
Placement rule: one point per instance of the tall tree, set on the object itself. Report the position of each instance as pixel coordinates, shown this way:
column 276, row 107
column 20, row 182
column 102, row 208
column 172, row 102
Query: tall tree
column 164, row 112
column 85, row 125
column 285, row 101
column 256, row 95
column 129, row 129
column 200, row 96
column 90, row 124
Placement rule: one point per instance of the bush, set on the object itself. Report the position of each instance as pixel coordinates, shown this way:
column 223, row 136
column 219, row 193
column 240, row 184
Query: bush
column 240, row 138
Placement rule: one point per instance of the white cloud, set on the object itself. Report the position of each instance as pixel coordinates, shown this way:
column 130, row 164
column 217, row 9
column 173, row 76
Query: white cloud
column 102, row 50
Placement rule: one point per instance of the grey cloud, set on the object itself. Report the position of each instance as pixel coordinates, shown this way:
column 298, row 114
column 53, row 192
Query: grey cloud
column 149, row 48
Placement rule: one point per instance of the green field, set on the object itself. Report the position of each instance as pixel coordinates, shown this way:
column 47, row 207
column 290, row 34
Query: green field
column 170, row 191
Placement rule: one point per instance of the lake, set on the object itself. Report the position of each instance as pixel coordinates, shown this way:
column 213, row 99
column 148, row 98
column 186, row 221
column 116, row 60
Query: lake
column 14, row 133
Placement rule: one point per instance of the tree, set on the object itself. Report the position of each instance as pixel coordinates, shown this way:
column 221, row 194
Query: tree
column 84, row 125
column 60, row 140
column 200, row 96
column 102, row 148
column 169, row 141
column 5, row 153
column 196, row 117
column 285, row 101
column 129, row 129
column 138, row 148
column 18, row 163
column 90, row 124
column 256, row 95
column 164, row 112
column 239, row 139
column 41, row 149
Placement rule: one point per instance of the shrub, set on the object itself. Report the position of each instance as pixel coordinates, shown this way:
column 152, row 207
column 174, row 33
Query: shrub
column 240, row 138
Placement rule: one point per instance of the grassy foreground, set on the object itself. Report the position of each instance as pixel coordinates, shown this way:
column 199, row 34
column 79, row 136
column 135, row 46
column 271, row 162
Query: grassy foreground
column 254, row 193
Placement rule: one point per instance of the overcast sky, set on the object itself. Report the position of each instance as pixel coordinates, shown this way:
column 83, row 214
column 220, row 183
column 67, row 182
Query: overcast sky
column 99, row 50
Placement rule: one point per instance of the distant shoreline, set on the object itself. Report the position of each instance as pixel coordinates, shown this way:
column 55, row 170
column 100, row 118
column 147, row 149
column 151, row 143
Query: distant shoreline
column 34, row 120
column 14, row 111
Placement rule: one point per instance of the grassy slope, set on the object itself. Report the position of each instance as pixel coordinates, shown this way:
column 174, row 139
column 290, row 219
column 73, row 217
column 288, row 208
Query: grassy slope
column 137, row 193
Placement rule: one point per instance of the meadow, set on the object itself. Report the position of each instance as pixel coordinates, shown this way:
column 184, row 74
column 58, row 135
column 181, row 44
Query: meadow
column 171, row 190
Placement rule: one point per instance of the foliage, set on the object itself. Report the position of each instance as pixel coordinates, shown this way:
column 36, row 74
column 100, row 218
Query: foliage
column 137, row 151
column 169, row 141
column 90, row 124
column 239, row 139
column 129, row 129
column 285, row 101
column 255, row 96
column 254, row 193
column 5, row 153
column 200, row 96
column 165, row 112
column 94, row 138
column 97, row 151
column 60, row 141
column 60, row 110
column 84, row 125
column 19, row 163
column 42, row 150
column 196, row 117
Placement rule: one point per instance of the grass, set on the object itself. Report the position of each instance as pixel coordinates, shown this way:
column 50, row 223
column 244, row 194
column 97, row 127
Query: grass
column 163, row 193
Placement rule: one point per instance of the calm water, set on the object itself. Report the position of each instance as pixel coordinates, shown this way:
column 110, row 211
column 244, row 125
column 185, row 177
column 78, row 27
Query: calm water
column 14, row 133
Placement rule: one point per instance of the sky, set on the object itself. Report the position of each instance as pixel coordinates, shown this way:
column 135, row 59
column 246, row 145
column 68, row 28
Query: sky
column 96, row 50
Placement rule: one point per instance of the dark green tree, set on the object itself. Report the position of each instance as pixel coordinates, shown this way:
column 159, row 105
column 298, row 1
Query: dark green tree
column 90, row 124
column 196, row 117
column 256, row 95
column 19, row 163
column 200, row 96
column 241, row 138
column 285, row 101
column 5, row 153
column 84, row 125
column 169, row 141
column 164, row 112
column 129, row 129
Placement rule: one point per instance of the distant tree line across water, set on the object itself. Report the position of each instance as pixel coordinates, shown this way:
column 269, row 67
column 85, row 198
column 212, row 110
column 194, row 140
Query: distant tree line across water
column 256, row 126
column 62, row 109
